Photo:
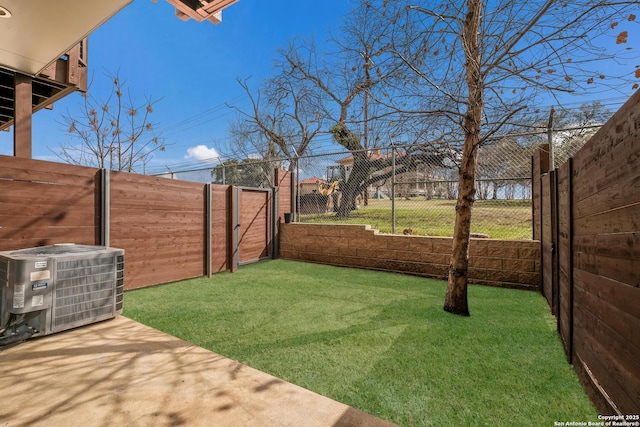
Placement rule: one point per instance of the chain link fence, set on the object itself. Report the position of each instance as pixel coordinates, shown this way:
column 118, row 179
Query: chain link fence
column 404, row 189
column 398, row 190
column 248, row 173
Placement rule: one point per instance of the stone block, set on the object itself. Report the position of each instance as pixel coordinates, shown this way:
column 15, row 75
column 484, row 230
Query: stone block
column 321, row 230
column 361, row 231
column 420, row 244
column 529, row 252
column 486, row 263
column 529, row 278
column 503, row 275
column 435, row 270
column 478, row 247
column 432, row 258
column 367, row 252
column 347, row 251
column 406, row 256
column 360, row 242
column 295, row 229
column 476, row 274
column 502, row 251
column 442, row 245
column 523, row 265
column 394, row 242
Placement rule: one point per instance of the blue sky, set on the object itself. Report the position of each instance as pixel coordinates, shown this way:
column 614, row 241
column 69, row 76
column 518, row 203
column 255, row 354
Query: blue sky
column 192, row 66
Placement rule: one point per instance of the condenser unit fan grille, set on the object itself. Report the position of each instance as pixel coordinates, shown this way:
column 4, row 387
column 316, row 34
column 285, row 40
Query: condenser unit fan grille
column 120, row 282
column 84, row 290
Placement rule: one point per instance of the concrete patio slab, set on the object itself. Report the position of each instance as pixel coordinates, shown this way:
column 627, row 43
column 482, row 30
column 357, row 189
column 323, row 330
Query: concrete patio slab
column 122, row 373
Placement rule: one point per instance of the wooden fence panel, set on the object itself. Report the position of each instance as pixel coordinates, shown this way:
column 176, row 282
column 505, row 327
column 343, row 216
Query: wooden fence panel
column 565, row 259
column 539, row 166
column 44, row 203
column 546, row 239
column 606, row 226
column 284, row 182
column 598, row 251
column 221, row 228
column 160, row 223
column 597, row 212
column 255, row 231
column 606, row 334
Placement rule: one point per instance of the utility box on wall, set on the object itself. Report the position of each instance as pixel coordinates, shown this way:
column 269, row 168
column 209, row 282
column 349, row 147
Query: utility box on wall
column 49, row 289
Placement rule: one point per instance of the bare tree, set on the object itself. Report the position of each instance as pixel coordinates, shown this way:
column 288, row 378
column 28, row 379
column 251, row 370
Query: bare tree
column 284, row 118
column 479, row 65
column 346, row 80
column 572, row 128
column 115, row 132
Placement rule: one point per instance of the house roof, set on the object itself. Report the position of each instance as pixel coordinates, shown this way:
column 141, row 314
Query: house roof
column 312, row 180
column 373, row 155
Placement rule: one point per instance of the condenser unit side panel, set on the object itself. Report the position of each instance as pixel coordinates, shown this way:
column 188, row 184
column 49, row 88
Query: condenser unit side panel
column 119, row 300
column 4, row 289
column 26, row 292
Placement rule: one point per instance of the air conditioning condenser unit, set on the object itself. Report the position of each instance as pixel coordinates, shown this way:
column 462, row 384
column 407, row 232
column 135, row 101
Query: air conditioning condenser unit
column 49, row 289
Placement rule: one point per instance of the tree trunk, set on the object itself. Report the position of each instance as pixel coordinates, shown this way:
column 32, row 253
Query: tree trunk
column 352, row 188
column 456, row 298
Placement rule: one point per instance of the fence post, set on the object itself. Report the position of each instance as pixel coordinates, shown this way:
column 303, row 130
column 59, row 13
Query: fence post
column 235, row 228
column 209, row 229
column 105, row 207
column 295, row 191
column 568, row 246
column 539, row 166
column 393, row 188
column 275, row 231
column 553, row 175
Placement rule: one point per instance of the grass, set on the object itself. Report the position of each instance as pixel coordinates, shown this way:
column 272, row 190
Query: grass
column 380, row 342
column 500, row 219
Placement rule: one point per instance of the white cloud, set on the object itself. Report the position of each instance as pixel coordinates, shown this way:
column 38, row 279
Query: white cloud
column 202, row 153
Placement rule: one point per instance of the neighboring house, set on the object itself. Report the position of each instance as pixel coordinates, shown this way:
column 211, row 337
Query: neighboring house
column 429, row 178
column 346, row 165
column 311, row 199
column 310, row 185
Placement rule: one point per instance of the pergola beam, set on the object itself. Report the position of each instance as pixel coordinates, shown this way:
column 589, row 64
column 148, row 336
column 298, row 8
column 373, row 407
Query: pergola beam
column 22, row 115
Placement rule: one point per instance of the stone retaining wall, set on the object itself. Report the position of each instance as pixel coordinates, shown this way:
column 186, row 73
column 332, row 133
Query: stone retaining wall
column 503, row 263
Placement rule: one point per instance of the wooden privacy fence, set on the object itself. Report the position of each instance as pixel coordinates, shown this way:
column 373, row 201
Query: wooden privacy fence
column 170, row 229
column 587, row 217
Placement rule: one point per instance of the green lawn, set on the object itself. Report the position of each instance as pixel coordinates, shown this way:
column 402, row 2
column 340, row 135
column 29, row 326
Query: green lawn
column 500, row 219
column 380, row 342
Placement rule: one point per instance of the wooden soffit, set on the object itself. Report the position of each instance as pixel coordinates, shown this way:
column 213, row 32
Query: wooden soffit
column 35, row 33
column 200, row 10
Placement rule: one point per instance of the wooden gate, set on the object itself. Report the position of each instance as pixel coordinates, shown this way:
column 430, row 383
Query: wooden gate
column 253, row 228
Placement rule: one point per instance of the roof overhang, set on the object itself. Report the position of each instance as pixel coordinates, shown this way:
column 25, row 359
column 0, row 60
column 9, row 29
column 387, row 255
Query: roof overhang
column 35, row 33
column 201, row 10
